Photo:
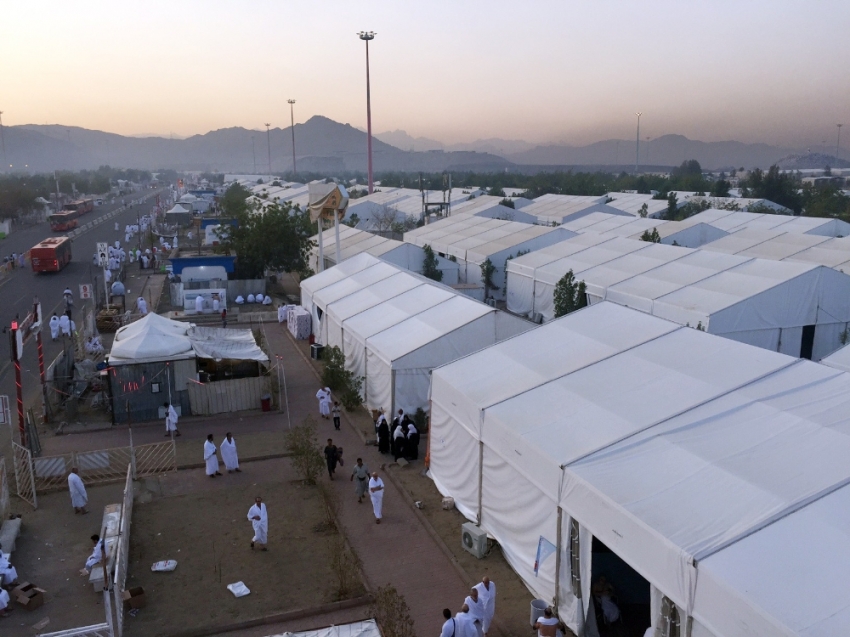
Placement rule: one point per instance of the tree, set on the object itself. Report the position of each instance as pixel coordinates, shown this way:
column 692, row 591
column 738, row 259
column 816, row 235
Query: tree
column 720, row 188
column 775, row 186
column 488, row 270
column 672, row 206
column 430, row 264
column 496, row 191
column 652, row 237
column 352, row 221
column 234, row 200
column 570, row 295
column 643, row 212
column 277, row 239
column 341, row 380
column 507, row 203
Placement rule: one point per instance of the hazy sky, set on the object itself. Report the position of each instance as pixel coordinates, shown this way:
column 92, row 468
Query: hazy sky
column 774, row 71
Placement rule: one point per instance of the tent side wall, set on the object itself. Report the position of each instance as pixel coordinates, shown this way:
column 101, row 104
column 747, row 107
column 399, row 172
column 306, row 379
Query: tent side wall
column 411, row 257
column 695, row 236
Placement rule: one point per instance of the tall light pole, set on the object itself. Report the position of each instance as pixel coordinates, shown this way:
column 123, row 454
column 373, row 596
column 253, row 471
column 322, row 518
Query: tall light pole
column 269, row 140
column 2, row 140
column 292, row 120
column 837, row 141
column 637, row 143
column 366, row 36
column 254, row 152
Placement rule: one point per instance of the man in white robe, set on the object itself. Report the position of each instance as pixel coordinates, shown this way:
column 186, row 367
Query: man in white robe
column 8, row 573
column 229, row 455
column 65, row 325
column 199, row 303
column 54, row 327
column 250, row 298
column 267, row 300
column 465, row 626
column 79, row 497
column 487, row 594
column 324, row 398
column 142, row 305
column 259, row 518
column 96, row 554
column 259, row 298
column 216, row 304
column 210, row 457
column 240, row 300
column 281, row 313
column 107, row 276
column 5, row 609
column 170, row 420
column 476, row 609
column 376, row 493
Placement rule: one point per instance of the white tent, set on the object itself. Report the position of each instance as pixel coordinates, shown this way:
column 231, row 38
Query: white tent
column 795, row 308
column 558, row 209
column 394, row 326
column 715, row 470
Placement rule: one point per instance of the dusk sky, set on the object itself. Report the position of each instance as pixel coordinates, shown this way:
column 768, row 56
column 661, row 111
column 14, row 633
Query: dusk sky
column 773, row 71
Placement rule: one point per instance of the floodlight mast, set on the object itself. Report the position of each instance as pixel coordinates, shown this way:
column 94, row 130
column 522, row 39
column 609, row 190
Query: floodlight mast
column 292, row 120
column 838, row 141
column 637, row 143
column 269, row 140
column 366, row 36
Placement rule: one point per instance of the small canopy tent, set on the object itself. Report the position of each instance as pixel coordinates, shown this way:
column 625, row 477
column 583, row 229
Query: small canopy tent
column 597, row 426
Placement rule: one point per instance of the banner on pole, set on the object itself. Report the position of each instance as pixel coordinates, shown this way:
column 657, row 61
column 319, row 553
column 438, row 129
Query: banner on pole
column 544, row 549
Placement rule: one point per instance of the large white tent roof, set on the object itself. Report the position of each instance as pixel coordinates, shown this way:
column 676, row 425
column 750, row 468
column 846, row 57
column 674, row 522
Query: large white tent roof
column 684, row 453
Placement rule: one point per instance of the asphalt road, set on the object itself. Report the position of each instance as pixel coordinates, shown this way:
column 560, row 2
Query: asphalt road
column 21, row 286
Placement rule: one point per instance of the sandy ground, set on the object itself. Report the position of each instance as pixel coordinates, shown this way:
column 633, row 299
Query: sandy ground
column 202, row 523
column 51, row 549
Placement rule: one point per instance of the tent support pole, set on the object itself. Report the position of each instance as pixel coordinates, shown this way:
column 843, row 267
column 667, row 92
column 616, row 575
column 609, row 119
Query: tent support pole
column 321, row 264
column 480, row 479
column 336, row 229
column 558, row 562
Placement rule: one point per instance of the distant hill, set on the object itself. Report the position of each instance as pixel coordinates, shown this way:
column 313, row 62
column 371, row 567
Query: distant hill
column 494, row 145
column 668, row 150
column 322, row 145
column 801, row 161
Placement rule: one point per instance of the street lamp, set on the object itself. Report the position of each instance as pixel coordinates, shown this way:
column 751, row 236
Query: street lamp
column 2, row 139
column 637, row 143
column 366, row 36
column 838, row 140
column 292, row 119
column 269, row 139
column 254, row 153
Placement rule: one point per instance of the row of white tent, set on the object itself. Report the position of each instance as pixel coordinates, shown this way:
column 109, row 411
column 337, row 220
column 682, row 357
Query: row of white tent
column 794, row 308
column 717, row 471
column 395, row 326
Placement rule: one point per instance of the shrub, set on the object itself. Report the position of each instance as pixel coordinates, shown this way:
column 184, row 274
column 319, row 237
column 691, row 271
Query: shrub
column 307, row 458
column 342, row 381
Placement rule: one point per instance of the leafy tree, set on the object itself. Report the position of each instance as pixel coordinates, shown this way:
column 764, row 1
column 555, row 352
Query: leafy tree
column 496, row 191
column 488, row 270
column 352, row 221
column 652, row 237
column 430, row 264
column 720, row 188
column 643, row 212
column 342, row 381
column 507, row 203
column 234, row 201
column 570, row 295
column 277, row 239
column 672, row 206
column 775, row 186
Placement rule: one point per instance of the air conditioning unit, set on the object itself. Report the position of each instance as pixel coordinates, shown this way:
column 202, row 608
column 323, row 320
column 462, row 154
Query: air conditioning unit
column 474, row 539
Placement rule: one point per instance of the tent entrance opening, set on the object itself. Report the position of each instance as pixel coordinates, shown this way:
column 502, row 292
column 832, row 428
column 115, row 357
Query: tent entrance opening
column 614, row 582
column 808, row 342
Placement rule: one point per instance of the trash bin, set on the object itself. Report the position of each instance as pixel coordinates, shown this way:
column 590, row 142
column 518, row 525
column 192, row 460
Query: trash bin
column 537, row 608
column 316, row 351
column 266, row 402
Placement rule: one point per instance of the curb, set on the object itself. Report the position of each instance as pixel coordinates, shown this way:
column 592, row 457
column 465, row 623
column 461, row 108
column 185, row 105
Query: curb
column 277, row 618
column 271, row 456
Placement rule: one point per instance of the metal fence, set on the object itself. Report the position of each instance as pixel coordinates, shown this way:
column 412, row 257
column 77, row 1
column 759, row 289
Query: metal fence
column 24, row 477
column 4, row 490
column 50, row 473
column 97, row 630
column 122, row 555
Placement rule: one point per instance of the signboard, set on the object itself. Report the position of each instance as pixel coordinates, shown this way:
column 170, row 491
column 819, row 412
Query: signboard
column 85, row 291
column 102, row 254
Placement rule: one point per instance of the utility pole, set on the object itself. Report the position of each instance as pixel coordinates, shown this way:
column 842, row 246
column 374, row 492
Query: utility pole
column 838, row 140
column 254, row 152
column 292, row 127
column 637, row 143
column 269, row 139
column 366, row 36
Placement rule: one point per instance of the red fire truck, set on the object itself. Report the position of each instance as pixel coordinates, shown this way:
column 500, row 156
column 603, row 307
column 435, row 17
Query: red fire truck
column 51, row 255
column 63, row 221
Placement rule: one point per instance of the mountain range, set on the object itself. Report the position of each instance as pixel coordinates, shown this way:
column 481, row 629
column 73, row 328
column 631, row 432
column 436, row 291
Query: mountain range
column 325, row 146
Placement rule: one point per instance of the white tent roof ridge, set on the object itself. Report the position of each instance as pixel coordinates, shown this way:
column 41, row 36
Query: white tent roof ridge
column 414, row 315
column 682, row 411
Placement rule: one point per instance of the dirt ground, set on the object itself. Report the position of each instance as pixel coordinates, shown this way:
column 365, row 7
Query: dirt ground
column 51, row 549
column 202, row 523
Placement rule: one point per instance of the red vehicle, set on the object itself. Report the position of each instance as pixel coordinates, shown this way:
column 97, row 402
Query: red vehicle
column 63, row 221
column 80, row 206
column 51, row 255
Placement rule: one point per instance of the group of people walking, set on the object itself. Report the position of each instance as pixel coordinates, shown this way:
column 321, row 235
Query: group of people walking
column 229, row 455
column 475, row 615
column 401, row 437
